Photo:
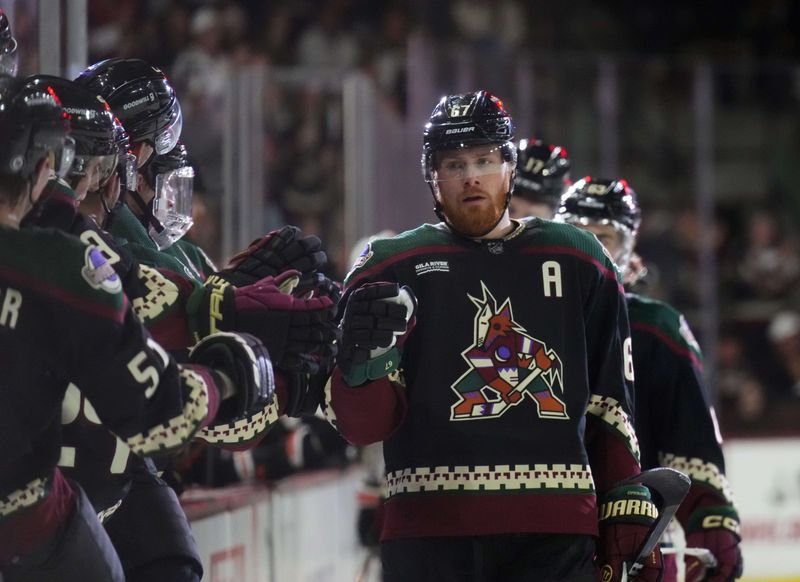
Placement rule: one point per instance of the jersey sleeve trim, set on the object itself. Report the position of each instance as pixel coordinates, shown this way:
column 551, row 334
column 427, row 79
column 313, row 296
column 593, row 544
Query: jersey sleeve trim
column 106, row 310
column 30, row 494
column 180, row 429
column 611, row 413
column 699, row 471
column 161, row 295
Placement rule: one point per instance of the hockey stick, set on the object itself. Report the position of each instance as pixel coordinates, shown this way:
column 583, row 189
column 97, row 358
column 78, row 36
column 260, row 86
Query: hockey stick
column 363, row 571
column 704, row 555
column 669, row 487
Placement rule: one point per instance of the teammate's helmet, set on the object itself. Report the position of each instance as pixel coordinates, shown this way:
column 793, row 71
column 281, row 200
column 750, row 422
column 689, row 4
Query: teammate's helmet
column 467, row 120
column 91, row 126
column 33, row 125
column 141, row 97
column 612, row 202
column 9, row 57
column 542, row 172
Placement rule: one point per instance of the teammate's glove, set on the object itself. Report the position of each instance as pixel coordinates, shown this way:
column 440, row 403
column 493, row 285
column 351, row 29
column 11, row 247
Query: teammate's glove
column 298, row 333
column 626, row 514
column 318, row 285
column 246, row 415
column 376, row 314
column 274, row 253
column 717, row 529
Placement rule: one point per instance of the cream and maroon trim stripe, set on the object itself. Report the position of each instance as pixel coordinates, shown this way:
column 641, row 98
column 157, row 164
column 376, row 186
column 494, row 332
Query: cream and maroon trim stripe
column 178, row 430
column 700, row 471
column 484, row 479
column 609, row 411
column 30, row 494
column 161, row 294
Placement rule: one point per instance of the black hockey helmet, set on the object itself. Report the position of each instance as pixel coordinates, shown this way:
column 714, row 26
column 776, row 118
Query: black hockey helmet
column 464, row 121
column 33, row 125
column 467, row 120
column 600, row 201
column 9, row 57
column 542, row 172
column 141, row 97
column 91, row 126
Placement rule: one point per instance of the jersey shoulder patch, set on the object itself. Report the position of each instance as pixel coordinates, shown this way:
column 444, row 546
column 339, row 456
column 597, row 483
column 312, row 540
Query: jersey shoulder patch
column 60, row 266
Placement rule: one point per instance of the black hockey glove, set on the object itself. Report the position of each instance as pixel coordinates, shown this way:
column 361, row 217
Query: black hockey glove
column 299, row 333
column 318, row 285
column 245, row 416
column 374, row 316
column 276, row 252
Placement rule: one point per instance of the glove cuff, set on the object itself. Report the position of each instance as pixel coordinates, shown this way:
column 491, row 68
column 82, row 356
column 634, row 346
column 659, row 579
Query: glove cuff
column 211, row 308
column 373, row 369
column 714, row 517
column 629, row 504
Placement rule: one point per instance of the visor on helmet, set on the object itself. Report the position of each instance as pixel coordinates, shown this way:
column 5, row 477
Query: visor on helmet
column 460, row 164
column 627, row 237
column 172, row 206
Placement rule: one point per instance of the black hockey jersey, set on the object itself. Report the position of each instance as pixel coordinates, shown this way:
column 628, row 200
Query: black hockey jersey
column 91, row 455
column 675, row 421
column 512, row 407
column 63, row 319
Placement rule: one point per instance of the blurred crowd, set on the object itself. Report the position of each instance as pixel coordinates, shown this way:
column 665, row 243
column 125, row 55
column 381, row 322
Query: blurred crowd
column 757, row 371
column 757, row 368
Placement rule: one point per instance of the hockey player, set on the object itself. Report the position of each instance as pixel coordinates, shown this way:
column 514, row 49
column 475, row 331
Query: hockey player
column 541, row 178
column 98, row 462
column 675, row 422
column 64, row 319
column 154, row 126
column 505, row 411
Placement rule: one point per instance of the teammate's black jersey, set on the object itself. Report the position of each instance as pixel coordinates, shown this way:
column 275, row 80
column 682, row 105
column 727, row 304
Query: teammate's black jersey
column 675, row 421
column 92, row 455
column 64, row 319
column 512, row 407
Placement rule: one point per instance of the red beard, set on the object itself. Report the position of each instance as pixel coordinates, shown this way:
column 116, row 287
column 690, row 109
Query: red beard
column 474, row 220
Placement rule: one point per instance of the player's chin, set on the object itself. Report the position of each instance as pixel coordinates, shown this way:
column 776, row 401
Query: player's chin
column 475, row 223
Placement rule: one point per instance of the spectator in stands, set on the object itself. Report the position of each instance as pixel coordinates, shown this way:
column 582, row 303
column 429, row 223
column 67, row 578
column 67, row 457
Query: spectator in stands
column 770, row 266
column 742, row 396
column 328, row 42
column 784, row 333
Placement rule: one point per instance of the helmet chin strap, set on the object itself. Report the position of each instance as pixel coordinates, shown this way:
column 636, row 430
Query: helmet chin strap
column 147, row 218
